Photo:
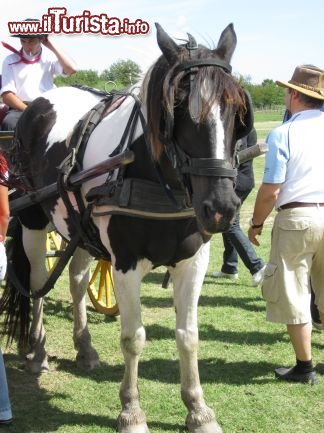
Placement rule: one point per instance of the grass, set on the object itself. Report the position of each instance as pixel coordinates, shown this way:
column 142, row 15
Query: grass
column 238, row 353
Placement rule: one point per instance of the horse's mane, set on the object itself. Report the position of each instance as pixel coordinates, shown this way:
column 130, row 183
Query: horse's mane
column 166, row 89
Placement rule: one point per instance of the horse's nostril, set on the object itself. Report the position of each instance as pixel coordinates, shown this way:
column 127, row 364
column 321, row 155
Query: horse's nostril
column 208, row 211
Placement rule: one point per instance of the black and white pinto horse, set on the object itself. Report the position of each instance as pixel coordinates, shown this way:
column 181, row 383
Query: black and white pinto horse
column 195, row 112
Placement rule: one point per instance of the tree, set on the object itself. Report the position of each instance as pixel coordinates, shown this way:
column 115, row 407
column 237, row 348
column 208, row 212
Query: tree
column 125, row 72
column 86, row 77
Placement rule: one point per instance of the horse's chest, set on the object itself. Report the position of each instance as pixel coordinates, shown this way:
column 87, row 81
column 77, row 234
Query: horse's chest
column 160, row 242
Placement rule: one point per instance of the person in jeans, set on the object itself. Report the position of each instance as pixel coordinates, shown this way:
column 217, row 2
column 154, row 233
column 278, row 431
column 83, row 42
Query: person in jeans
column 235, row 241
column 5, row 407
column 293, row 185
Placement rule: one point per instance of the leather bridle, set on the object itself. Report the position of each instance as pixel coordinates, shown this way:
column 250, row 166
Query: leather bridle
column 181, row 160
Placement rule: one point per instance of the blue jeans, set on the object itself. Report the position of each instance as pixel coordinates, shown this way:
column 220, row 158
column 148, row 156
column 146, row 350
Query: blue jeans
column 5, row 407
column 237, row 244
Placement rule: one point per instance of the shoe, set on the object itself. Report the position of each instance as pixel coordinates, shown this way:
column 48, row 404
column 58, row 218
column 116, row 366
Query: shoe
column 290, row 375
column 225, row 275
column 318, row 325
column 257, row 278
column 5, row 421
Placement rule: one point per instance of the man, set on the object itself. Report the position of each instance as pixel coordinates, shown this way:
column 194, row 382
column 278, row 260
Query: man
column 317, row 324
column 235, row 241
column 293, row 184
column 28, row 73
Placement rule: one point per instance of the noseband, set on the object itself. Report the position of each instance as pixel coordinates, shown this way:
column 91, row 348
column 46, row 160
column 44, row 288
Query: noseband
column 179, row 159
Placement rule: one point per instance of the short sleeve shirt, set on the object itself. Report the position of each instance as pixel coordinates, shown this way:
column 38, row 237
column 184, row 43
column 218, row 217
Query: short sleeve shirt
column 28, row 81
column 295, row 158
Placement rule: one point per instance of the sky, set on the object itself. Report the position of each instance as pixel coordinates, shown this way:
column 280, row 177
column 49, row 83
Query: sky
column 273, row 36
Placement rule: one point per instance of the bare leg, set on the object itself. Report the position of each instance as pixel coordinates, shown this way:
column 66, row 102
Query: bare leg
column 187, row 278
column 300, row 337
column 35, row 247
column 87, row 357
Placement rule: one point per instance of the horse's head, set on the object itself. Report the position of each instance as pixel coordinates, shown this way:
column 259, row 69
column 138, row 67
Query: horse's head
column 196, row 113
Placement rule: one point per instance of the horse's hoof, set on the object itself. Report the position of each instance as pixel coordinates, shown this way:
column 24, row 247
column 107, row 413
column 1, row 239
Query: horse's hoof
column 137, row 428
column 210, row 427
column 87, row 363
column 132, row 420
column 36, row 367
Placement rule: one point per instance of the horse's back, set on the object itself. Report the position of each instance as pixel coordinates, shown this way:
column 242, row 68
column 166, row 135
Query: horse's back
column 70, row 105
column 109, row 135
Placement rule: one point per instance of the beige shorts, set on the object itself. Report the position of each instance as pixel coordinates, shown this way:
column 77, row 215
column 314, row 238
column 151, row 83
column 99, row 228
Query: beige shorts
column 297, row 254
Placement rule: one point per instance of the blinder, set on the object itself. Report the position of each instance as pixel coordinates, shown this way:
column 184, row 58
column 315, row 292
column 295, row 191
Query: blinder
column 243, row 128
column 179, row 159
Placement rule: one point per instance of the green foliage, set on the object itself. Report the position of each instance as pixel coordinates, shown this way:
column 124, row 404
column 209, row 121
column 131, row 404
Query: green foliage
column 119, row 75
column 125, row 72
column 86, row 77
column 265, row 95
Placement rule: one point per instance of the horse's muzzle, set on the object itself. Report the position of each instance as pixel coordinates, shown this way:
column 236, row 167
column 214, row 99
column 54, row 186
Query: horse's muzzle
column 216, row 213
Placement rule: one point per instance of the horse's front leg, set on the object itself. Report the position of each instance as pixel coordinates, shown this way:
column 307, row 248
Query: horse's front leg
column 187, row 278
column 34, row 242
column 132, row 418
column 87, row 357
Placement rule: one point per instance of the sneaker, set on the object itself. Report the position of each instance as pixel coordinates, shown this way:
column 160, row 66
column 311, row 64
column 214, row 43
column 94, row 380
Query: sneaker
column 5, row 421
column 257, row 278
column 290, row 375
column 225, row 275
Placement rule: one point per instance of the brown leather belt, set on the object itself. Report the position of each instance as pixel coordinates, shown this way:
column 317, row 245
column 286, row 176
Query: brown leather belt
column 294, row 204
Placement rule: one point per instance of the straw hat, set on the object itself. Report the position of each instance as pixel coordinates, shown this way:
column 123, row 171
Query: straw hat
column 306, row 79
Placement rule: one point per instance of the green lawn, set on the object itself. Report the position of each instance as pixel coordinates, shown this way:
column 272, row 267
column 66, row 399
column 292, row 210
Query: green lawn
column 238, row 353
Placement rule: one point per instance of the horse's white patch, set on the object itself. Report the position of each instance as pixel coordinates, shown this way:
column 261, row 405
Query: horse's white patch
column 60, row 216
column 70, row 104
column 189, row 273
column 106, row 137
column 220, row 133
column 215, row 113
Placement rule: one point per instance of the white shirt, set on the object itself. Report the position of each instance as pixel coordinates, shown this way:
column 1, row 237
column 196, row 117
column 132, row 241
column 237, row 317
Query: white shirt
column 296, row 158
column 28, row 81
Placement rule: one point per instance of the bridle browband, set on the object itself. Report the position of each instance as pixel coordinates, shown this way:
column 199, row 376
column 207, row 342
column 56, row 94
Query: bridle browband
column 179, row 159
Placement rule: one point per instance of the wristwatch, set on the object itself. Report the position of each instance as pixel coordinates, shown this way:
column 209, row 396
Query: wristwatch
column 255, row 226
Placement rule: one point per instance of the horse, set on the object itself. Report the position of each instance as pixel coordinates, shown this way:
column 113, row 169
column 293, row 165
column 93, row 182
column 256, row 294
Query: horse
column 162, row 209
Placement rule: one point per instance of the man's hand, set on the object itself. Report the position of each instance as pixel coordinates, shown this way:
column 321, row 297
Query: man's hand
column 253, row 233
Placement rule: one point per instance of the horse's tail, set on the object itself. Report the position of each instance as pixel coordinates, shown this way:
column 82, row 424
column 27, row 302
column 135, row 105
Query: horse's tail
column 14, row 306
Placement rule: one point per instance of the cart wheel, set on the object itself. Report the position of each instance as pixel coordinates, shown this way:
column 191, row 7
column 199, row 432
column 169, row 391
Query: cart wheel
column 101, row 289
column 54, row 244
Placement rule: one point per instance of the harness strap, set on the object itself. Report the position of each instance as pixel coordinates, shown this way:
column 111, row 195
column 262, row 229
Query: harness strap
column 203, row 62
column 50, row 282
column 209, row 167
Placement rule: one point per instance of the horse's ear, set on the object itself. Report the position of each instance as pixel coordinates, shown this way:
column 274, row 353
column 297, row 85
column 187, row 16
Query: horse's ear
column 192, row 41
column 167, row 45
column 227, row 43
column 244, row 126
